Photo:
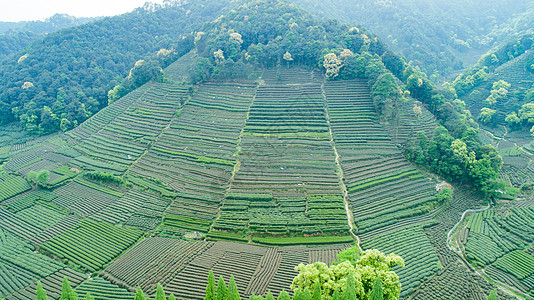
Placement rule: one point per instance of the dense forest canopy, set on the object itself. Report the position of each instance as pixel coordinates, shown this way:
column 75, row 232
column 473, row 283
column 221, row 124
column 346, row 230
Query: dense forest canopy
column 51, row 24
column 65, row 77
column 14, row 36
column 439, row 37
column 499, row 87
column 14, row 41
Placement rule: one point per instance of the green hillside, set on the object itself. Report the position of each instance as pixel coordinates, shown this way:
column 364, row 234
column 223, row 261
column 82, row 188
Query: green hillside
column 271, row 139
column 65, row 77
column 15, row 36
column 440, row 37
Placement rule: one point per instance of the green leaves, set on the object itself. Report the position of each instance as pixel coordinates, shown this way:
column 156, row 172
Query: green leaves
column 377, row 292
column 40, row 293
column 222, row 290
column 139, row 294
column 233, row 294
column 352, row 278
column 67, row 293
column 210, row 288
column 160, row 294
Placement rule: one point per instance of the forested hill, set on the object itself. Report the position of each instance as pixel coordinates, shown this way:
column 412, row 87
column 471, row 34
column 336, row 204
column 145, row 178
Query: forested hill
column 14, row 36
column 499, row 89
column 51, row 24
column 13, row 41
column 438, row 36
column 63, row 79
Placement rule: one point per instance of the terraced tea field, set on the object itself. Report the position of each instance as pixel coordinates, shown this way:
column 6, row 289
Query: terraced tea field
column 383, row 187
column 195, row 154
column 125, row 138
column 499, row 242
column 182, row 266
column 21, row 266
column 415, row 248
column 259, row 172
column 286, row 182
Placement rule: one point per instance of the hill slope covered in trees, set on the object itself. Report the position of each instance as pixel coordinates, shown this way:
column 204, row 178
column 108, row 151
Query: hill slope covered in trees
column 440, row 37
column 65, row 78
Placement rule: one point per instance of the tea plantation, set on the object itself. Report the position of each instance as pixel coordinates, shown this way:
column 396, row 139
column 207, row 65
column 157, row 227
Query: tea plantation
column 246, row 178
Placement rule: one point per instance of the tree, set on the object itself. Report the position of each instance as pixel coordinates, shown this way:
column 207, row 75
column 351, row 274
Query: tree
column 89, row 297
column 336, row 296
column 486, row 115
column 385, row 91
column 332, row 64
column 43, row 176
column 139, row 294
column 284, row 296
column 316, row 295
column 377, row 292
column 297, row 295
column 288, row 58
column 361, row 273
column 65, row 124
column 417, row 111
column 40, row 292
column 499, row 91
column 349, row 292
column 492, row 295
column 32, row 175
column 306, row 295
column 269, row 296
column 210, row 288
column 171, row 297
column 445, row 195
column 221, row 289
column 351, row 254
column 233, row 293
column 67, row 293
column 526, row 113
column 513, row 120
column 160, row 294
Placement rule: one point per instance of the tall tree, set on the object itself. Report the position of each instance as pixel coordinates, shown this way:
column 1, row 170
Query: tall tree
column 493, row 295
column 377, row 293
column 139, row 294
column 298, row 294
column 269, row 296
column 306, row 295
column 40, row 293
column 160, row 294
column 89, row 297
column 210, row 288
column 336, row 296
column 67, row 293
column 316, row 295
column 233, row 293
column 221, row 289
column 349, row 293
column 284, row 296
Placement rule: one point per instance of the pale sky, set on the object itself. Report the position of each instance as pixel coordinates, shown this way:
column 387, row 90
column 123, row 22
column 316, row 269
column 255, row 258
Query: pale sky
column 29, row 10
